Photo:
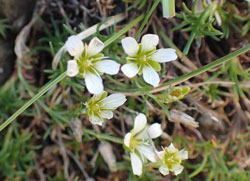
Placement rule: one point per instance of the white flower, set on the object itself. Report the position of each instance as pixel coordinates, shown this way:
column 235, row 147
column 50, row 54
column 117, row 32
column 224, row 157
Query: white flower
column 139, row 144
column 170, row 160
column 144, row 59
column 89, row 63
column 100, row 106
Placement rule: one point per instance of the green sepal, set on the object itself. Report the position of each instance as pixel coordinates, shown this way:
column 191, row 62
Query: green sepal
column 155, row 65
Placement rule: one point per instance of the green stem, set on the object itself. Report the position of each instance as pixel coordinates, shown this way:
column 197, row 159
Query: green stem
column 102, row 136
column 188, row 45
column 170, row 43
column 124, row 30
column 32, row 100
column 146, row 19
column 200, row 168
column 208, row 66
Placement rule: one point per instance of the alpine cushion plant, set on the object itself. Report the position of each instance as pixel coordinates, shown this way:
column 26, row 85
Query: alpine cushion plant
column 170, row 159
column 100, row 106
column 139, row 142
column 89, row 63
column 144, row 58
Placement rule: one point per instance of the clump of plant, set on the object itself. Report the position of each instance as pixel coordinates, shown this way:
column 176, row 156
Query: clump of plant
column 87, row 65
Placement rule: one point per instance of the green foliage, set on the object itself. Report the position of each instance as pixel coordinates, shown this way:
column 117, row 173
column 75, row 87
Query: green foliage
column 213, row 92
column 228, row 19
column 55, row 35
column 9, row 99
column 206, row 21
column 3, row 27
column 237, row 74
column 199, row 23
column 232, row 72
column 139, row 4
column 214, row 164
column 16, row 154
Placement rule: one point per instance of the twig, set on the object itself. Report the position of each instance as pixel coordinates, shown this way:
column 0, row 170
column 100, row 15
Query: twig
column 79, row 164
column 64, row 154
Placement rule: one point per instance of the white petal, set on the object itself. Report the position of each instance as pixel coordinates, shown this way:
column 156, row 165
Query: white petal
column 151, row 76
column 130, row 46
column 107, row 114
column 93, row 83
column 160, row 154
column 148, row 152
column 164, row 170
column 164, row 55
column 72, row 68
column 74, row 46
column 177, row 169
column 96, row 120
column 154, row 130
column 95, row 46
column 113, row 101
column 130, row 69
column 172, row 148
column 136, row 164
column 183, row 154
column 108, row 66
column 149, row 42
column 127, row 138
column 140, row 123
column 143, row 134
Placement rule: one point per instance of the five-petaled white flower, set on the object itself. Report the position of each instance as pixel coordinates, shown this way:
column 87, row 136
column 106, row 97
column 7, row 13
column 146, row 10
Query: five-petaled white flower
column 144, row 58
column 170, row 160
column 89, row 63
column 100, row 106
column 139, row 142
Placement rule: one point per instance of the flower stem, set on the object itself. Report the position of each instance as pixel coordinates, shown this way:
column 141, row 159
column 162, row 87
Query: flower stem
column 200, row 168
column 102, row 136
column 189, row 43
column 180, row 54
column 32, row 100
column 147, row 16
column 124, row 30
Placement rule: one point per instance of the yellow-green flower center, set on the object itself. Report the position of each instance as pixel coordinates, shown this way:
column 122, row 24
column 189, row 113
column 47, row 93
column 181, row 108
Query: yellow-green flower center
column 86, row 63
column 170, row 159
column 94, row 109
column 143, row 58
column 133, row 143
column 94, row 106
